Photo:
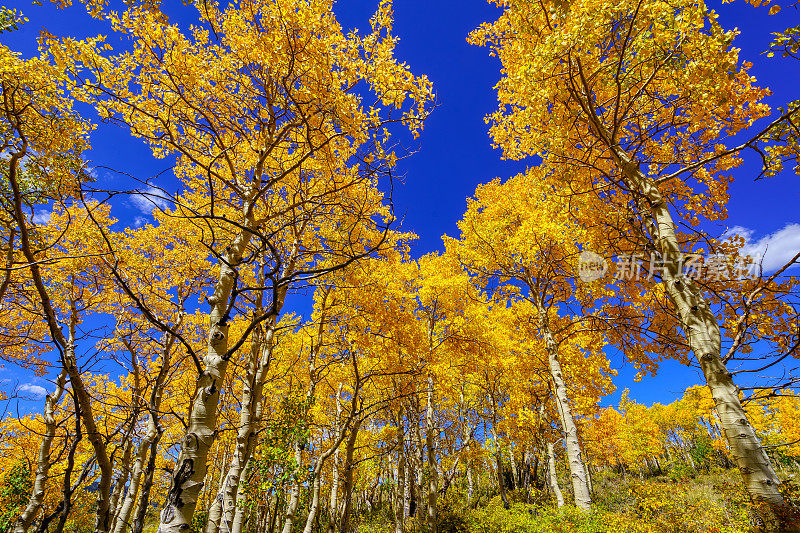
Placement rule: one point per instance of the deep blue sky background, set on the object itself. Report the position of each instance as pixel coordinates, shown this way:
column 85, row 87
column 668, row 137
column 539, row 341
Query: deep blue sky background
column 455, row 152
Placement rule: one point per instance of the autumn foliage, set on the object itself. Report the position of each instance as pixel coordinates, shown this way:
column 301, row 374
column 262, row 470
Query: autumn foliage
column 458, row 390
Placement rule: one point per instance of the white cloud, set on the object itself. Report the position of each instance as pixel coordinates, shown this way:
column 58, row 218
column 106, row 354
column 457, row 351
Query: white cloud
column 42, row 216
column 150, row 198
column 775, row 249
column 34, row 390
column 138, row 222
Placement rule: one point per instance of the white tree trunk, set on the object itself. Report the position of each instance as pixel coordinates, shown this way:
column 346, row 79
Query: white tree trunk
column 320, row 462
column 514, row 469
column 333, row 504
column 552, row 475
column 577, row 468
column 261, row 355
column 215, row 510
column 123, row 518
column 43, row 460
column 190, row 469
column 239, row 515
column 432, row 472
column 409, row 481
column 119, row 484
column 702, row 332
column 470, row 486
column 400, row 484
column 294, row 496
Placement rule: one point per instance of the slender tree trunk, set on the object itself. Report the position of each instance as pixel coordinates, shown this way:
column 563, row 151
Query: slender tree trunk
column 333, row 504
column 431, row 470
column 119, row 484
column 668, row 449
column 348, row 477
column 123, row 518
column 501, row 485
column 294, row 496
column 190, row 469
column 320, row 463
column 273, row 519
column 552, row 475
column 147, row 482
column 43, row 461
column 65, row 344
column 64, row 507
column 93, row 435
column 215, row 509
column 316, row 488
column 470, row 486
column 261, row 356
column 408, row 493
column 466, row 443
column 149, row 444
column 127, row 441
column 400, row 485
column 702, row 333
column 239, row 515
column 589, row 475
column 689, row 460
column 580, row 484
column 419, row 459
column 514, row 469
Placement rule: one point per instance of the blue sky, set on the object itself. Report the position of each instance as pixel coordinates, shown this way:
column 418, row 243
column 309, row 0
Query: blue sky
column 455, row 153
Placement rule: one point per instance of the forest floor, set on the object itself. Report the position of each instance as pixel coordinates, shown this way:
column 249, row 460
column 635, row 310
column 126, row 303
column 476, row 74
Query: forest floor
column 711, row 502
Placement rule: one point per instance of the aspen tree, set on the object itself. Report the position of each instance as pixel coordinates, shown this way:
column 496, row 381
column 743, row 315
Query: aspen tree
column 633, row 101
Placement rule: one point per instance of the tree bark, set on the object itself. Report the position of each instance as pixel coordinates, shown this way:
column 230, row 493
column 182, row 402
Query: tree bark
column 333, row 504
column 552, row 476
column 147, row 482
column 702, row 332
column 408, row 493
column 66, row 345
column 432, row 473
column 123, row 518
column 498, row 455
column 577, row 468
column 43, row 461
column 347, row 489
column 215, row 509
column 470, row 486
column 190, row 469
column 320, row 462
column 466, row 443
column 294, row 496
column 119, row 484
column 261, row 356
column 149, row 444
column 273, row 519
column 514, row 469
column 239, row 515
column 400, row 485
column 82, row 397
column 64, row 507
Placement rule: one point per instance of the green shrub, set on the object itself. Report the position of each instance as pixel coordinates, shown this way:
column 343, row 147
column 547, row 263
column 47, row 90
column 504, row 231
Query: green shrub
column 677, row 472
column 15, row 489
